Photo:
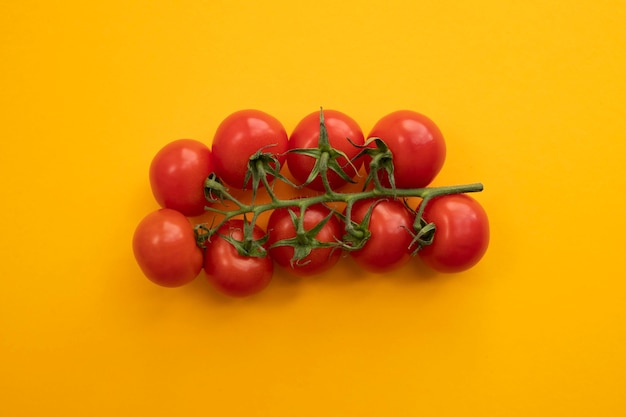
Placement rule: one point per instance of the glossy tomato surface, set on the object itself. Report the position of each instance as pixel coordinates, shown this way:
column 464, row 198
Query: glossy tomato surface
column 280, row 226
column 417, row 145
column 390, row 225
column 177, row 175
column 340, row 127
column 231, row 273
column 165, row 249
column 461, row 235
column 240, row 136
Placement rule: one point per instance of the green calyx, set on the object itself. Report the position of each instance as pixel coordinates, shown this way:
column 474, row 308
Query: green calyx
column 357, row 234
column 326, row 159
column 264, row 167
column 305, row 241
column 423, row 235
column 214, row 190
column 381, row 160
column 248, row 246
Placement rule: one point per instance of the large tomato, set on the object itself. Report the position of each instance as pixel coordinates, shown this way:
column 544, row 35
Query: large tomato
column 230, row 272
column 280, row 227
column 340, row 127
column 388, row 245
column 461, row 235
column 165, row 248
column 177, row 175
column 240, row 136
column 417, row 145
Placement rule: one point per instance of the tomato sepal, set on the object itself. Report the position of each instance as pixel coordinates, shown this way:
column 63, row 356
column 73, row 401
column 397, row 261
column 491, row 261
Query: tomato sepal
column 214, row 189
column 381, row 160
column 305, row 241
column 261, row 166
column 326, row 158
column 357, row 234
column 423, row 234
column 249, row 246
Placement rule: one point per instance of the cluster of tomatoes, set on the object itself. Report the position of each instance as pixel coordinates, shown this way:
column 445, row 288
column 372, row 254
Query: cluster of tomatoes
column 239, row 256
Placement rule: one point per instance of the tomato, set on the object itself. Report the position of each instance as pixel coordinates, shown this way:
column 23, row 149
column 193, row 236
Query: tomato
column 461, row 235
column 280, row 226
column 388, row 245
column 306, row 134
column 165, row 248
column 177, row 175
column 240, row 136
column 228, row 271
column 417, row 145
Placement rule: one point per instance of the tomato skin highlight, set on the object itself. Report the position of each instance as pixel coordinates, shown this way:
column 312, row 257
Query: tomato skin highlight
column 417, row 145
column 280, row 226
column 165, row 249
column 241, row 135
column 461, row 236
column 306, row 135
column 229, row 272
column 388, row 246
column 177, row 175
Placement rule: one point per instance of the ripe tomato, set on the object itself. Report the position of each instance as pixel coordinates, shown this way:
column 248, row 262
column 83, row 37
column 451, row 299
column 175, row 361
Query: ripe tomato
column 461, row 234
column 417, row 145
column 240, row 136
column 231, row 273
column 165, row 248
column 280, row 226
column 177, row 175
column 388, row 244
column 306, row 134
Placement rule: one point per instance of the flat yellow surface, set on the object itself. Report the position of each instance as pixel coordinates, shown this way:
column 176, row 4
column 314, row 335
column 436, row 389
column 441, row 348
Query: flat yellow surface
column 531, row 99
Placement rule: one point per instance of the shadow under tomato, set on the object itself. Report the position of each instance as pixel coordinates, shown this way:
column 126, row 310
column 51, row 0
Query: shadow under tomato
column 419, row 271
column 286, row 287
column 281, row 289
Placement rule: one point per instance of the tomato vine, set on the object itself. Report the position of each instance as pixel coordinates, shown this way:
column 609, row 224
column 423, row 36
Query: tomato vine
column 376, row 224
column 265, row 164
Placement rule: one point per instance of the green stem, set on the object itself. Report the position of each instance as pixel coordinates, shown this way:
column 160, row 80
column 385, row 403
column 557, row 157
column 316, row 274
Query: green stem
column 266, row 184
column 348, row 198
column 324, row 173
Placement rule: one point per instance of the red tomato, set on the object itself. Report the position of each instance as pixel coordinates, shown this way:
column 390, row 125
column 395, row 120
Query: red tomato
column 240, row 136
column 280, row 226
column 390, row 225
column 461, row 234
column 417, row 145
column 177, row 175
column 340, row 127
column 231, row 273
column 165, row 248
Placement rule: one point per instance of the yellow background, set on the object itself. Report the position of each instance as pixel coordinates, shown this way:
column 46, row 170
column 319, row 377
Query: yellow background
column 530, row 97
